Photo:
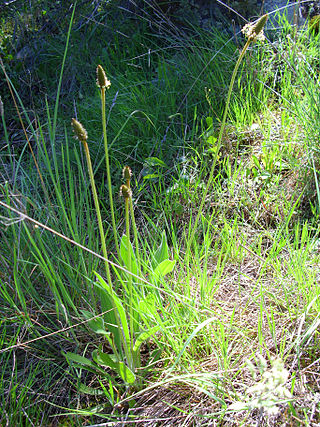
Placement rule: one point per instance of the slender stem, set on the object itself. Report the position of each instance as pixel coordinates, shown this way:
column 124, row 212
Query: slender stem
column 127, row 203
column 97, row 208
column 103, row 240
column 135, row 233
column 104, row 127
column 219, row 143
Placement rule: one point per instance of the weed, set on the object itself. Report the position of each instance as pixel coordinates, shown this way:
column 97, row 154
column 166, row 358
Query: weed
column 170, row 328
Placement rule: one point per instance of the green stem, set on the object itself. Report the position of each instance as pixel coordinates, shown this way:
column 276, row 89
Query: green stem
column 98, row 213
column 127, row 203
column 104, row 127
column 103, row 240
column 135, row 233
column 219, row 143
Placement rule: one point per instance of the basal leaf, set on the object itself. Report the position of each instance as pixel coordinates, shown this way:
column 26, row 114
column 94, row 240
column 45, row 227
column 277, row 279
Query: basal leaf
column 90, row 390
column 125, row 255
column 154, row 161
column 162, row 252
column 97, row 324
column 164, row 268
column 76, row 358
column 148, row 305
column 125, row 373
column 144, row 336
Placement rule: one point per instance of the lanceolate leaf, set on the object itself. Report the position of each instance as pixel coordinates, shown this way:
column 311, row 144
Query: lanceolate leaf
column 164, row 268
column 105, row 359
column 73, row 357
column 120, row 368
column 162, row 253
column 125, row 254
column 120, row 312
column 144, row 336
column 154, row 161
column 126, row 374
column 82, row 361
column 97, row 324
column 90, row 390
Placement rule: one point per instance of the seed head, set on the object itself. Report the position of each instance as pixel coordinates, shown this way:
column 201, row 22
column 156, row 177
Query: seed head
column 254, row 31
column 102, row 80
column 125, row 192
column 126, row 173
column 79, row 131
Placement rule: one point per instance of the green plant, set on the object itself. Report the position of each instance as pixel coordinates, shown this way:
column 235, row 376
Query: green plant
column 122, row 331
column 136, row 313
column 266, row 166
column 249, row 284
column 253, row 32
column 103, row 83
column 267, row 393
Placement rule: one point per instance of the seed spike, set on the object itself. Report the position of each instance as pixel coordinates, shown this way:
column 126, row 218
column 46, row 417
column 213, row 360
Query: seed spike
column 79, row 131
column 102, row 80
column 125, row 192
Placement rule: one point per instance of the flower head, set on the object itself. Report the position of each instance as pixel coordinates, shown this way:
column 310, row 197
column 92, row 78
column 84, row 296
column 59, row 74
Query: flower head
column 126, row 173
column 79, row 131
column 102, row 80
column 125, row 192
column 254, row 30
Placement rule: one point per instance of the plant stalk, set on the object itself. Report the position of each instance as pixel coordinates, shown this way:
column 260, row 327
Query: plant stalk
column 105, row 140
column 219, row 142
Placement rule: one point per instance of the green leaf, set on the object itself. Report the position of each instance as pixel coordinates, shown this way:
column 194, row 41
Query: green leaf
column 154, row 161
column 90, row 390
column 97, row 324
column 76, row 358
column 126, row 374
column 162, row 253
column 256, row 161
column 212, row 141
column 106, row 297
column 105, row 359
column 209, row 121
column 148, row 305
column 151, row 176
column 121, row 313
column 125, row 254
column 143, row 337
column 109, row 360
column 164, row 268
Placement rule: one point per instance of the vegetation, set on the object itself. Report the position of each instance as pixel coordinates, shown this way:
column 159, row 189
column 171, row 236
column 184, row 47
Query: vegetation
column 192, row 298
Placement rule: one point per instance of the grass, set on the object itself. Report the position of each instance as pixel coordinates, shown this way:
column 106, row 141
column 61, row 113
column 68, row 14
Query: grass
column 194, row 303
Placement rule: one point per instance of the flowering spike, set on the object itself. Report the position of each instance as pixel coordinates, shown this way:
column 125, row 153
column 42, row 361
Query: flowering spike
column 102, row 80
column 79, row 131
column 126, row 173
column 260, row 24
column 125, row 192
column 254, row 31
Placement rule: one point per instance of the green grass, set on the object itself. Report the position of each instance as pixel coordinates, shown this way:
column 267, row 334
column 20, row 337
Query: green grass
column 246, row 285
